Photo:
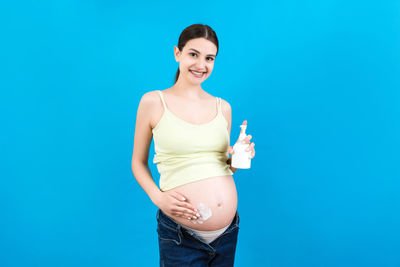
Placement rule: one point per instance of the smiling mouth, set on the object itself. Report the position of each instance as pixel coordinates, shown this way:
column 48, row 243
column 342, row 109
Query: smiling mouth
column 197, row 74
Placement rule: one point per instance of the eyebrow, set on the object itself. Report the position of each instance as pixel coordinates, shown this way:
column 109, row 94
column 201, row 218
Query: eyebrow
column 200, row 53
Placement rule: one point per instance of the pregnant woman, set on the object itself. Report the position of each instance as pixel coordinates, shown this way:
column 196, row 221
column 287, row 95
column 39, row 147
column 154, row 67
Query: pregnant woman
column 197, row 218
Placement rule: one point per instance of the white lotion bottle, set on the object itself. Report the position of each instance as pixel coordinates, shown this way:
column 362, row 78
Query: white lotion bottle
column 241, row 158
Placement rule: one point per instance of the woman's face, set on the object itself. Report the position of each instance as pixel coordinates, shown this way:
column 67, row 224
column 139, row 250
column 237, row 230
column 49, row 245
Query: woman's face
column 196, row 60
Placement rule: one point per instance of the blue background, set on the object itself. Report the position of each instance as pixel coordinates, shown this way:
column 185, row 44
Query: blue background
column 318, row 82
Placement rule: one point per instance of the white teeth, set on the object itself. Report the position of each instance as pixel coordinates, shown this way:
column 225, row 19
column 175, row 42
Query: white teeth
column 198, row 73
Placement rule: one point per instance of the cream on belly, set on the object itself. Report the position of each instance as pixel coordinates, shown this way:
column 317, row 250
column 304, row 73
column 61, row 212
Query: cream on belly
column 204, row 211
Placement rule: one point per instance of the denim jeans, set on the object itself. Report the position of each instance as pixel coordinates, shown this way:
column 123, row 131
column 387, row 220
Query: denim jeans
column 182, row 247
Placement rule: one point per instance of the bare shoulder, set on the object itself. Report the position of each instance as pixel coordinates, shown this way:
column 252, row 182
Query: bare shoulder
column 149, row 102
column 226, row 107
column 149, row 98
column 150, row 107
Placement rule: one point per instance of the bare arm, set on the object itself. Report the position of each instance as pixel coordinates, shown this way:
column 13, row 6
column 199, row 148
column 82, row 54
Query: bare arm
column 141, row 146
column 227, row 111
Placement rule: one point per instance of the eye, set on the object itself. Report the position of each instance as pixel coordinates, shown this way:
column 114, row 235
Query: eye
column 209, row 58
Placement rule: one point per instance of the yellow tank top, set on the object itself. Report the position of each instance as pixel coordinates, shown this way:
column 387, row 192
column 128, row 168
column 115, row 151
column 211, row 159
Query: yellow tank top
column 187, row 152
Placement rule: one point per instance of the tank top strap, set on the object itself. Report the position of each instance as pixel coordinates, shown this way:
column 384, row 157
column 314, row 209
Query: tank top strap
column 162, row 98
column 219, row 104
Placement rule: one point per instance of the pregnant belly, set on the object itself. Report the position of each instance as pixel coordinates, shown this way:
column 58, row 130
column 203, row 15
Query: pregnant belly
column 217, row 199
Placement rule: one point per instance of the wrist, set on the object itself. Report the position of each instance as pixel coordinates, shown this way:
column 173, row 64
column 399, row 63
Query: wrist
column 156, row 196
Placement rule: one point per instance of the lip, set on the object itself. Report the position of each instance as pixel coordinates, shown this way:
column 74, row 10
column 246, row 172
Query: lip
column 196, row 75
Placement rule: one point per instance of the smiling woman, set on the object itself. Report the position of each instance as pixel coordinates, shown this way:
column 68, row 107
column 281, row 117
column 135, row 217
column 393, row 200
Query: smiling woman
column 197, row 216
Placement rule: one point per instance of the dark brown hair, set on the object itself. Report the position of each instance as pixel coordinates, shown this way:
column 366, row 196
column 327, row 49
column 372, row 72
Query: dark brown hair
column 196, row 31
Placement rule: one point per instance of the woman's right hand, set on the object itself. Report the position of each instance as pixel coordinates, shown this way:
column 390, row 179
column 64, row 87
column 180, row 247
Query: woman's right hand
column 174, row 203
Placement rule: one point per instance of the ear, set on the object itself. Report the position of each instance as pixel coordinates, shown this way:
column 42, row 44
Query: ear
column 177, row 53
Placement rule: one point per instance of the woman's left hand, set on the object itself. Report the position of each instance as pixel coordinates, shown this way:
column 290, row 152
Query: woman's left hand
column 246, row 140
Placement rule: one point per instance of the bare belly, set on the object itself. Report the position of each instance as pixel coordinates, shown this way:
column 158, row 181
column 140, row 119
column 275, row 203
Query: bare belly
column 217, row 194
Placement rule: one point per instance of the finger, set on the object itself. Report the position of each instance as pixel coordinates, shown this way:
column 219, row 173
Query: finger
column 182, row 203
column 183, row 210
column 187, row 213
column 250, row 147
column 189, row 207
column 183, row 215
column 246, row 140
column 179, row 214
column 179, row 196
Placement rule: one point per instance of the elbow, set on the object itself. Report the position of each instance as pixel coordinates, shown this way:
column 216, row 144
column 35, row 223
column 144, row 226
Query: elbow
column 137, row 165
column 133, row 167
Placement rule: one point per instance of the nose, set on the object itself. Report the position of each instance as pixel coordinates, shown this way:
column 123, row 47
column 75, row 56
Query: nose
column 201, row 63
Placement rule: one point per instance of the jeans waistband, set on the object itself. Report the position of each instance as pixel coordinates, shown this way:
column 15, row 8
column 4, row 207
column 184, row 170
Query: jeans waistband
column 168, row 221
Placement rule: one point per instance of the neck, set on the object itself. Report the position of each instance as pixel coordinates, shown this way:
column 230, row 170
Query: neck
column 185, row 89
